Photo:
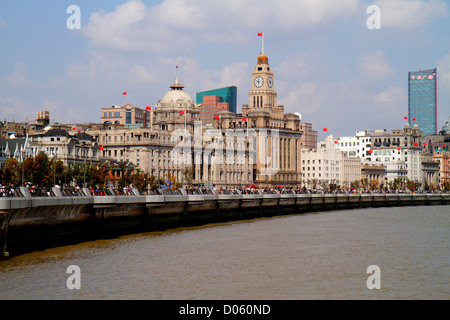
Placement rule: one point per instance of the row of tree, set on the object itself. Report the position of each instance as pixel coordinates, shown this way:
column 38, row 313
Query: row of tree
column 42, row 171
column 366, row 184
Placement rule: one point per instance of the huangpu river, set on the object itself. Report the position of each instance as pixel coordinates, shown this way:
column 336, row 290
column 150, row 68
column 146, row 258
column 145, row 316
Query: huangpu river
column 324, row 255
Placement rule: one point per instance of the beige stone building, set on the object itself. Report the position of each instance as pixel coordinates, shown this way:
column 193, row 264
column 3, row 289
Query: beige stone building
column 275, row 135
column 126, row 115
column 175, row 145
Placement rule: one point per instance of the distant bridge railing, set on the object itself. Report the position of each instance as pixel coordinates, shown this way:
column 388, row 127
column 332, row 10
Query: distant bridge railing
column 18, row 192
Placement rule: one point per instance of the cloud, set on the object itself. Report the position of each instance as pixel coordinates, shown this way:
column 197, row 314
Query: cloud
column 391, row 96
column 305, row 98
column 443, row 73
column 175, row 24
column 408, row 14
column 375, row 65
column 18, row 77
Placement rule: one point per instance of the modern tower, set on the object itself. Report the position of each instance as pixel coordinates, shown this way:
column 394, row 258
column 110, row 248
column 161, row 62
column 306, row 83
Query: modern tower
column 422, row 100
column 226, row 94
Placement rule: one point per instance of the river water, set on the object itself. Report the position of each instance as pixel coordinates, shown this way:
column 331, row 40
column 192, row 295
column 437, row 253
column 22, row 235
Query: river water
column 307, row 256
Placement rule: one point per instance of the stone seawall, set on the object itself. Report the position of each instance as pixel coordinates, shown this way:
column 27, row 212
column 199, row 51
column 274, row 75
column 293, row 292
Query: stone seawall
column 31, row 223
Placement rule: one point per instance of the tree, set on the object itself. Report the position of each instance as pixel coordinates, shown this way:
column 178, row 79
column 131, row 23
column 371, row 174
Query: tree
column 11, row 173
column 141, row 180
column 188, row 174
column 364, row 183
column 410, row 184
column 445, row 185
column 374, row 184
column 323, row 185
column 356, row 185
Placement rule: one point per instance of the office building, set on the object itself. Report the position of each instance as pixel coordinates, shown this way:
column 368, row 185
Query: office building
column 226, row 95
column 422, row 100
column 209, row 109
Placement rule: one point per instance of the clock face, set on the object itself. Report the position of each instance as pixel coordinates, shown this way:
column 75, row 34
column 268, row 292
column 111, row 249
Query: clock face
column 270, row 82
column 259, row 81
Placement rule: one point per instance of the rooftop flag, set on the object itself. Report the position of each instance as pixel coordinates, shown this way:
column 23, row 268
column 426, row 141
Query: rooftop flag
column 182, row 112
column 124, row 93
column 148, row 108
column 216, row 116
column 325, row 129
column 244, row 119
column 101, row 148
column 260, row 34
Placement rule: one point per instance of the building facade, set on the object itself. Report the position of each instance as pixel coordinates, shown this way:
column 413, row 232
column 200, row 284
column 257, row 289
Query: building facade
column 176, row 146
column 328, row 164
column 275, row 135
column 127, row 115
column 309, row 136
column 422, row 100
column 443, row 157
column 210, row 107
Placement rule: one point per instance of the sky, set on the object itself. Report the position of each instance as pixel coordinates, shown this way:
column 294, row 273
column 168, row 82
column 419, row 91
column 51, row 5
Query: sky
column 328, row 65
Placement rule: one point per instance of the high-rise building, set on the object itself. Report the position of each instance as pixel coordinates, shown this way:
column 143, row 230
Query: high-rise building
column 226, row 94
column 422, row 100
column 210, row 107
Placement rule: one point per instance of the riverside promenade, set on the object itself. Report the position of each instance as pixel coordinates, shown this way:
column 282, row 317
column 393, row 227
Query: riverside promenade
column 28, row 216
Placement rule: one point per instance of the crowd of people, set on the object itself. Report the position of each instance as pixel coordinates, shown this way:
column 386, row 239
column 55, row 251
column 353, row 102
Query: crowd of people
column 128, row 190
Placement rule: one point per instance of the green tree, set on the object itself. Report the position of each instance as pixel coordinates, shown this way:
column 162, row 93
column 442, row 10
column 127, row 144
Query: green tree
column 12, row 173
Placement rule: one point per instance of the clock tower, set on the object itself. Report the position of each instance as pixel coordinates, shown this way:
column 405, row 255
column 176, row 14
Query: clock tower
column 262, row 95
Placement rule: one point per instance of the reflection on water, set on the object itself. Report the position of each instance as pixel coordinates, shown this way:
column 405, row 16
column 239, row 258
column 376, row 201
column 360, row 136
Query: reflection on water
column 310, row 256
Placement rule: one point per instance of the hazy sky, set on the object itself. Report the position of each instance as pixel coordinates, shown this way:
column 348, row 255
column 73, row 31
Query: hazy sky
column 328, row 65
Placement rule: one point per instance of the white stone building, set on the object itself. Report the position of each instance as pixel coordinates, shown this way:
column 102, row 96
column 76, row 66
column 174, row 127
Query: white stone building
column 329, row 164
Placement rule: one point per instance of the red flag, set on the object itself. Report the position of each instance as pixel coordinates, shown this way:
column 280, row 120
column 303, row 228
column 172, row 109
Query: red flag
column 398, row 149
column 406, row 118
column 370, row 151
column 244, row 119
column 335, row 142
column 182, row 112
column 416, row 144
column 414, row 119
column 216, row 116
column 148, row 108
column 124, row 93
column 325, row 129
column 260, row 34
column 74, row 129
column 425, row 144
column 443, row 146
column 101, row 148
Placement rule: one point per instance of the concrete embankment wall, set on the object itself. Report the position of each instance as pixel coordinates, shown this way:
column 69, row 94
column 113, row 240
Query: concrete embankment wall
column 33, row 223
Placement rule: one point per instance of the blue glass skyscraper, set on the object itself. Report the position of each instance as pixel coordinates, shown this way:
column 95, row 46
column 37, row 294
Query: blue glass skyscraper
column 422, row 100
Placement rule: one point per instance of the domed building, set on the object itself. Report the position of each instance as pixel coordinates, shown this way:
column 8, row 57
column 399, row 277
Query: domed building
column 175, row 110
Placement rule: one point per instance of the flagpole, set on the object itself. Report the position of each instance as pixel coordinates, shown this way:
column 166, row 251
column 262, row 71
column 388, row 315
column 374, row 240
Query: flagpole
column 261, row 34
